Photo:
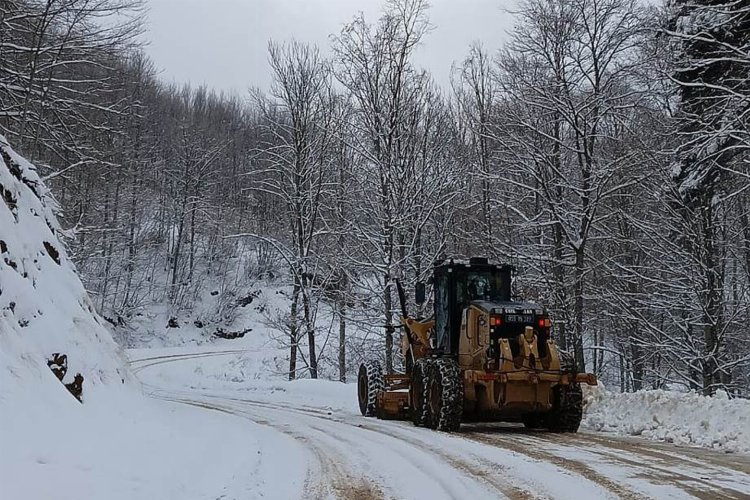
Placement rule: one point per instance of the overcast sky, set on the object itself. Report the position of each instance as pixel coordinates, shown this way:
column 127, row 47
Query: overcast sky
column 222, row 43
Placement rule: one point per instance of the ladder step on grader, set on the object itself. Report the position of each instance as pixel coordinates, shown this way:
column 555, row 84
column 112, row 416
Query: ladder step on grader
column 482, row 357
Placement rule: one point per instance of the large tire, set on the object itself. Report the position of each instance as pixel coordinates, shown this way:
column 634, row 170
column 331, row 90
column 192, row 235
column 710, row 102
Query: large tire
column 567, row 400
column 370, row 382
column 567, row 408
column 446, row 395
column 420, row 410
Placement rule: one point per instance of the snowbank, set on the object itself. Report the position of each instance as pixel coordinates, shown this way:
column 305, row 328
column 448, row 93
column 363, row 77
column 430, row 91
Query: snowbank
column 681, row 418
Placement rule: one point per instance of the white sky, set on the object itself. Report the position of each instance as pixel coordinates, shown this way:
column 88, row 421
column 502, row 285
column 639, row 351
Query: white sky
column 222, row 43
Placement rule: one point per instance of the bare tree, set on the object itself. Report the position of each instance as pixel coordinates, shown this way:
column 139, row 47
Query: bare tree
column 395, row 113
column 55, row 65
column 475, row 89
column 710, row 71
column 564, row 83
column 299, row 118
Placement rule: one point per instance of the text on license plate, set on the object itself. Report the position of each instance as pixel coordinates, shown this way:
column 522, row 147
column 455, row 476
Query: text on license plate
column 519, row 318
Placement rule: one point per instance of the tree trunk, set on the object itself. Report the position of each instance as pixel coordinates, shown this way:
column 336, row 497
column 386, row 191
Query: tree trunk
column 130, row 264
column 293, row 331
column 637, row 362
column 578, row 312
column 388, row 309
column 191, row 260
column 713, row 305
column 745, row 236
column 559, row 276
column 310, row 332
column 342, row 338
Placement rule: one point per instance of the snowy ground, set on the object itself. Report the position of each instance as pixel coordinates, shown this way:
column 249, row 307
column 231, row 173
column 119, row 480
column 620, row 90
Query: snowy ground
column 126, row 447
column 333, row 452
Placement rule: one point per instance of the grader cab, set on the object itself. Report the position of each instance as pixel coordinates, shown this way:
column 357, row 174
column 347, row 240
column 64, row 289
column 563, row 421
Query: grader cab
column 482, row 357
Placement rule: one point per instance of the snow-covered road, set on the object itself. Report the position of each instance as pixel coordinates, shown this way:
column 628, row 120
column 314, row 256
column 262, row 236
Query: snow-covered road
column 327, row 450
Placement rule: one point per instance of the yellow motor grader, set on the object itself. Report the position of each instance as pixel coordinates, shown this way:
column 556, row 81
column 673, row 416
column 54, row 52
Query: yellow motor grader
column 482, row 357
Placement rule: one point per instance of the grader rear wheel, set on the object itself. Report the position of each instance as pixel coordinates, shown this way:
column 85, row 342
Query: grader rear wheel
column 567, row 401
column 567, row 409
column 370, row 382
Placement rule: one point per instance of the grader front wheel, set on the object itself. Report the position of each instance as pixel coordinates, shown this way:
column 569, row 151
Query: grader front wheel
column 418, row 393
column 370, row 382
column 445, row 395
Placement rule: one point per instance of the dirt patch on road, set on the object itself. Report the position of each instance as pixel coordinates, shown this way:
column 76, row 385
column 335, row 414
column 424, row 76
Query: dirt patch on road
column 360, row 490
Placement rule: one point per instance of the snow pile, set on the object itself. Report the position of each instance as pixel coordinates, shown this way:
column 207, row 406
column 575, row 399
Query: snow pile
column 681, row 418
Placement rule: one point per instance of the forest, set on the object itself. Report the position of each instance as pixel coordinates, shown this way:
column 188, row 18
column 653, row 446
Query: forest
column 603, row 151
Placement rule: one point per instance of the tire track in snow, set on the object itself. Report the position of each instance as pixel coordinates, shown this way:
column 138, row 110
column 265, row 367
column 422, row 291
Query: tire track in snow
column 615, row 466
column 329, row 477
column 567, row 463
column 325, row 438
column 470, row 469
column 685, row 454
column 717, row 478
column 474, row 468
column 491, row 472
column 326, row 479
column 639, row 458
column 168, row 358
column 558, row 449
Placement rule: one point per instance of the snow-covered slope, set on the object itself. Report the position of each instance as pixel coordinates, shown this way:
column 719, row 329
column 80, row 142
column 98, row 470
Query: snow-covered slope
column 118, row 444
column 44, row 308
column 681, row 418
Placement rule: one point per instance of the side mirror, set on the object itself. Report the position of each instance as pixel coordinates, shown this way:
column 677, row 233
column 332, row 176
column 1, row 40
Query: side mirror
column 419, row 293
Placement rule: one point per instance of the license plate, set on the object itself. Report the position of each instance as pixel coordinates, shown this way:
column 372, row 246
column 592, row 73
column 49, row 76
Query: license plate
column 519, row 318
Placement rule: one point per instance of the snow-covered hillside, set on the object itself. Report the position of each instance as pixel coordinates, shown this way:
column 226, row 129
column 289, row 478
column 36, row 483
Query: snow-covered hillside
column 117, row 443
column 43, row 306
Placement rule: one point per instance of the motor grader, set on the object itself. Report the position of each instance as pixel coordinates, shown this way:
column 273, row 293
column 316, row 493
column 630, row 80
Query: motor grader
column 482, row 357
